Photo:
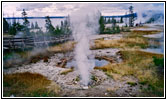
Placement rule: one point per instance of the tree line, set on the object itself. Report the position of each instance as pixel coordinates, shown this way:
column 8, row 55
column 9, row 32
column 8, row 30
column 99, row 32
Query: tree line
column 64, row 28
column 15, row 27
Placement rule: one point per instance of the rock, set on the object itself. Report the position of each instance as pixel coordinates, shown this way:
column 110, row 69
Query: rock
column 85, row 87
column 75, row 82
column 12, row 95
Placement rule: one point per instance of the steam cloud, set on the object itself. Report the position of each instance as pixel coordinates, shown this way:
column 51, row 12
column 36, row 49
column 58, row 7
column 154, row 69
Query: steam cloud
column 149, row 10
column 84, row 23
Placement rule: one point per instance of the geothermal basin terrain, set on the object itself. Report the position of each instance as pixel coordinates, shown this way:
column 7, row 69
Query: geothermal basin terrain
column 128, row 64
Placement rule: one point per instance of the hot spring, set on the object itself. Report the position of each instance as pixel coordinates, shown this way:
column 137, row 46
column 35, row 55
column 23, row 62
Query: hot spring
column 154, row 47
column 98, row 63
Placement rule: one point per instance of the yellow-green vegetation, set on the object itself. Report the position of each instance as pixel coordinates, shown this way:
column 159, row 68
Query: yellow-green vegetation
column 121, row 43
column 131, row 40
column 140, row 65
column 28, row 85
column 65, row 47
column 132, row 83
column 94, row 78
column 65, row 72
column 145, row 32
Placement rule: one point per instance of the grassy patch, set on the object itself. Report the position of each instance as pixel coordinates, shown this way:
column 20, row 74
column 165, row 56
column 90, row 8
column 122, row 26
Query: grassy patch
column 126, row 42
column 61, row 48
column 26, row 85
column 140, row 65
column 132, row 39
column 145, row 32
column 65, row 72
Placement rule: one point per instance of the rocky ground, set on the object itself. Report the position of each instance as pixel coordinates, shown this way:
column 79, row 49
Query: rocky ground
column 102, row 85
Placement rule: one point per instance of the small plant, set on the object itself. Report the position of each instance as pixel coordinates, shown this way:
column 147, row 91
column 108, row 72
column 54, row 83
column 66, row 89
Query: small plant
column 132, row 83
column 158, row 61
column 94, row 78
column 77, row 78
column 45, row 59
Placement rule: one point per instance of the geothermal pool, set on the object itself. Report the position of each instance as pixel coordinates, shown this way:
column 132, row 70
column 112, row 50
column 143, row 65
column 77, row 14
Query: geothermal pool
column 98, row 63
column 153, row 47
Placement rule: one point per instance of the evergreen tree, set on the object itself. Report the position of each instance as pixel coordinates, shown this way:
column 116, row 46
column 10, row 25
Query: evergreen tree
column 62, row 24
column 126, row 25
column 117, row 29
column 102, row 26
column 18, row 26
column 58, row 30
column 25, row 22
column 48, row 25
column 36, row 25
column 131, row 18
column 105, row 20
column 121, row 20
column 5, row 26
column 66, row 26
column 113, row 21
column 15, row 28
column 62, row 27
column 32, row 26
column 109, row 21
column 12, row 30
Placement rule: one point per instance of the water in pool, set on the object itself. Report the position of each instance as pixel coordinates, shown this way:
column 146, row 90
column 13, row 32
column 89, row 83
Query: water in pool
column 98, row 63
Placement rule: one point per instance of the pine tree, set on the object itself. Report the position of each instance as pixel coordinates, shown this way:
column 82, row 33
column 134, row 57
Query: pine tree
column 109, row 21
column 105, row 20
column 25, row 22
column 121, row 20
column 12, row 30
column 113, row 21
column 131, row 18
column 66, row 26
column 48, row 25
column 117, row 29
column 32, row 26
column 5, row 26
column 36, row 25
column 62, row 24
column 15, row 27
column 102, row 26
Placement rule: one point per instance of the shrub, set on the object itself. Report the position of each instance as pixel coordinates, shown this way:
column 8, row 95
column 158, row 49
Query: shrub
column 158, row 61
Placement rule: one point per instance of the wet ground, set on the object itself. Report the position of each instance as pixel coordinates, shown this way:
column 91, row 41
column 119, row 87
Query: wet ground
column 156, row 41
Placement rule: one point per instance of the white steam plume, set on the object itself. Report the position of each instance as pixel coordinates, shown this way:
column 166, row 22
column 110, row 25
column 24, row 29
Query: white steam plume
column 84, row 23
column 149, row 10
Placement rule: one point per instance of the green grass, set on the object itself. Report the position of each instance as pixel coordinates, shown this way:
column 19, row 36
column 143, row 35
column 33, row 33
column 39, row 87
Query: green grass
column 158, row 61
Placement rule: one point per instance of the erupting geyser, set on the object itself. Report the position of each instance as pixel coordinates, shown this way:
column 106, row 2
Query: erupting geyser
column 84, row 23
